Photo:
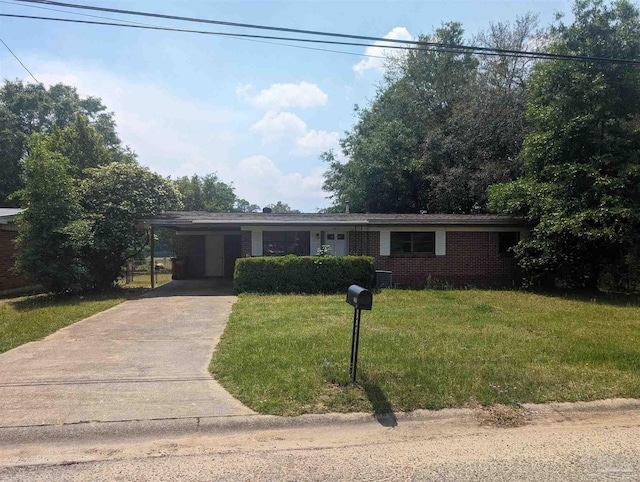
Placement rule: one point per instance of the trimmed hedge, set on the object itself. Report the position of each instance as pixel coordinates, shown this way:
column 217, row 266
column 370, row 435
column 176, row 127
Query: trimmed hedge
column 302, row 274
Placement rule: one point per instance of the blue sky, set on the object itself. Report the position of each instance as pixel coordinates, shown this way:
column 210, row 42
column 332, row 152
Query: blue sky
column 257, row 114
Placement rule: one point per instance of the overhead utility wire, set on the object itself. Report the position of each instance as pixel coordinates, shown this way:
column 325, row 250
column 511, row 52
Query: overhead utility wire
column 249, row 36
column 15, row 3
column 254, row 37
column 20, row 61
column 342, row 35
column 358, row 54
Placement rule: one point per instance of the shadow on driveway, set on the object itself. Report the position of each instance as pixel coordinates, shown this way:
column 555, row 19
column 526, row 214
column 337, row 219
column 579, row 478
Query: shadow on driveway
column 194, row 287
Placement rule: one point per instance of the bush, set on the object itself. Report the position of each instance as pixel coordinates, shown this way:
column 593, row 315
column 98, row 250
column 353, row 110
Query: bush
column 303, row 274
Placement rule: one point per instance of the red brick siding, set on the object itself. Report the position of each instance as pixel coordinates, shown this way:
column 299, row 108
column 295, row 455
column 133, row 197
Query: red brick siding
column 472, row 259
column 191, row 250
column 8, row 280
column 245, row 249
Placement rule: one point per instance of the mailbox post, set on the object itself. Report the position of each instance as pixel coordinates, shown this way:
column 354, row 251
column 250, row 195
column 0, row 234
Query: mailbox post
column 361, row 299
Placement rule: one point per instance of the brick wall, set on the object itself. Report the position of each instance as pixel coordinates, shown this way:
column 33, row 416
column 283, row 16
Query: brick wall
column 8, row 280
column 245, row 244
column 472, row 259
column 191, row 250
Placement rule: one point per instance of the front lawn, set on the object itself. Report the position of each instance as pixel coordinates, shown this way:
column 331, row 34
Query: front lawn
column 289, row 354
column 28, row 318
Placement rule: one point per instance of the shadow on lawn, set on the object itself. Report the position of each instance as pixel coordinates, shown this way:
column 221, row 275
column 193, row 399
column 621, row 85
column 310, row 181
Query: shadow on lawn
column 46, row 300
column 381, row 405
column 594, row 296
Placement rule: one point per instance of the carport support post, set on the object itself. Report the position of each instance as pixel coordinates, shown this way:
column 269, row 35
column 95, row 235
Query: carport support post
column 152, row 243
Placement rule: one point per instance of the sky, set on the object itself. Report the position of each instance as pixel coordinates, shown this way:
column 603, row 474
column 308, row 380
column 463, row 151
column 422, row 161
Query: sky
column 257, row 114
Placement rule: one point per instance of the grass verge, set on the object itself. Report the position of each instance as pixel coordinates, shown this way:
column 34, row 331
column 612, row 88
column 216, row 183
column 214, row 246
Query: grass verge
column 289, row 355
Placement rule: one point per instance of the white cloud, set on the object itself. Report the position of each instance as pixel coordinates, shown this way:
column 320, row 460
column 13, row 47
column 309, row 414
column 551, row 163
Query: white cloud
column 316, row 142
column 379, row 50
column 278, row 125
column 171, row 135
column 302, row 95
column 179, row 136
column 261, row 181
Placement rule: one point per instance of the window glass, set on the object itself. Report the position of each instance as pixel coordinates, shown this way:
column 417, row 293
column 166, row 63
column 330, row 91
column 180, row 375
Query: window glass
column 423, row 242
column 400, row 242
column 279, row 243
column 413, row 242
column 340, row 236
column 330, row 236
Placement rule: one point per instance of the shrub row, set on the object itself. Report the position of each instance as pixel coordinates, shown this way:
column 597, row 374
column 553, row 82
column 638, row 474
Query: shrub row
column 303, row 274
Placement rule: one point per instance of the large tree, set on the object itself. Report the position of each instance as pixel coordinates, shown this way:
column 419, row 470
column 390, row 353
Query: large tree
column 209, row 193
column 114, row 198
column 27, row 109
column 80, row 224
column 442, row 128
column 580, row 182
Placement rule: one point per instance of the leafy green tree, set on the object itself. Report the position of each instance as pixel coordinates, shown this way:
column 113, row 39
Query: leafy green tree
column 80, row 143
column 580, row 182
column 209, row 193
column 26, row 109
column 442, row 128
column 282, row 208
column 114, row 197
column 51, row 239
column 244, row 206
column 77, row 232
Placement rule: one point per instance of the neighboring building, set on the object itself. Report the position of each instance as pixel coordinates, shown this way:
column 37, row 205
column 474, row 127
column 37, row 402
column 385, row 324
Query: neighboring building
column 8, row 235
column 416, row 248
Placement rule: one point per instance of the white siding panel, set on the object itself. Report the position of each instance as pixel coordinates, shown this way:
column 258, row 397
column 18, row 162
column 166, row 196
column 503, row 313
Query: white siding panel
column 441, row 243
column 314, row 242
column 385, row 242
column 256, row 242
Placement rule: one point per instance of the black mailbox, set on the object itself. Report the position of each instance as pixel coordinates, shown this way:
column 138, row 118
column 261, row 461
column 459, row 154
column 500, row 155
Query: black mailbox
column 359, row 297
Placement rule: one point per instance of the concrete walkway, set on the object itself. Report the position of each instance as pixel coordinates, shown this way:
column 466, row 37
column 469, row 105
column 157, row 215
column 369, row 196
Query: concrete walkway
column 145, row 359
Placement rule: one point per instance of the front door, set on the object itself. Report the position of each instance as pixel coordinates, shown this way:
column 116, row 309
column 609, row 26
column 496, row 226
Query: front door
column 214, row 255
column 338, row 243
column 232, row 251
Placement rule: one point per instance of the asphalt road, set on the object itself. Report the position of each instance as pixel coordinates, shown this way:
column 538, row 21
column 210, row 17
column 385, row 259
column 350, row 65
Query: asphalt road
column 566, row 444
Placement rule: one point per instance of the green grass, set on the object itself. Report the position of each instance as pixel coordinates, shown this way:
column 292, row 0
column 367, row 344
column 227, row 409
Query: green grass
column 429, row 349
column 28, row 318
column 143, row 280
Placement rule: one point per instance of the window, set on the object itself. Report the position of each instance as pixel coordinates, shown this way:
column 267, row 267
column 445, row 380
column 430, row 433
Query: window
column 331, row 237
column 507, row 240
column 279, row 243
column 408, row 242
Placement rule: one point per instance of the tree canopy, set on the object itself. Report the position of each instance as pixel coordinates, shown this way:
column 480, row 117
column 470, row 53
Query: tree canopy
column 27, row 109
column 80, row 224
column 441, row 129
column 580, row 178
column 209, row 193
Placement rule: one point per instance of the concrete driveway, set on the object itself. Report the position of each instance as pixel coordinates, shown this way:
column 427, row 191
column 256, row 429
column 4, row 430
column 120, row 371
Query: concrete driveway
column 144, row 359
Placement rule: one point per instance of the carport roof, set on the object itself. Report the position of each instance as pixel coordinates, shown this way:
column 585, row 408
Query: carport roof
column 203, row 220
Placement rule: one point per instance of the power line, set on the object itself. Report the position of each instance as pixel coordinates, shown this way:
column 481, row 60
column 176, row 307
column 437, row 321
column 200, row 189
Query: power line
column 169, row 29
column 20, row 61
column 477, row 50
column 236, row 36
column 253, row 36
column 262, row 38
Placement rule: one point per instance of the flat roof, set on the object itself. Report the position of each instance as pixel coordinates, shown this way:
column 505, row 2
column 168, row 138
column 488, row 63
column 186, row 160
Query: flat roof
column 200, row 219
